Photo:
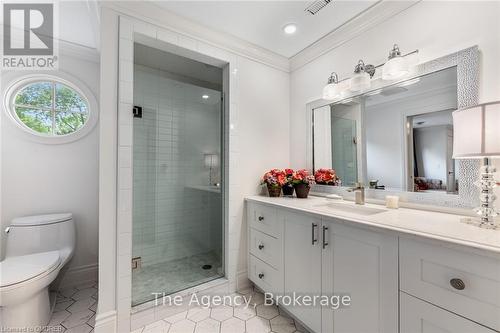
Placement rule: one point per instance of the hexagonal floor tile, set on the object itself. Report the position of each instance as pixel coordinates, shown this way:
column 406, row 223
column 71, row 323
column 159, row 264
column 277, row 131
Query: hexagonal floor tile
column 208, row 325
column 244, row 312
column 258, row 325
column 159, row 326
column 282, row 324
column 183, row 326
column 221, row 313
column 198, row 314
column 78, row 318
column 256, row 298
column 176, row 317
column 267, row 311
column 233, row 325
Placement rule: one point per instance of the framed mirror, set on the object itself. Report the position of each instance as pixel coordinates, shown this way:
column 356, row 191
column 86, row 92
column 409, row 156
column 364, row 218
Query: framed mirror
column 397, row 137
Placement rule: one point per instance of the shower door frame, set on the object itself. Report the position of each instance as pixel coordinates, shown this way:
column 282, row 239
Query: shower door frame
column 132, row 31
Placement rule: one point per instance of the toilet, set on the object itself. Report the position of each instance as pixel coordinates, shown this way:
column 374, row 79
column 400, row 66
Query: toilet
column 37, row 248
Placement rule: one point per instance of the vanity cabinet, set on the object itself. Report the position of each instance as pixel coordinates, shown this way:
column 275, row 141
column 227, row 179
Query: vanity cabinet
column 364, row 265
column 303, row 264
column 418, row 316
column 397, row 282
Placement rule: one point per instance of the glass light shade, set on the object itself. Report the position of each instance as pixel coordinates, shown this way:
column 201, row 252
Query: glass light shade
column 476, row 131
column 211, row 160
column 395, row 68
column 331, row 91
column 360, row 81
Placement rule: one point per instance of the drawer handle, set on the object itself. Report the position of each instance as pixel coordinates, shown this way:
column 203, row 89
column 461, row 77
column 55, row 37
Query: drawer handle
column 261, row 246
column 261, row 218
column 458, row 284
column 314, row 239
column 261, row 276
column 325, row 242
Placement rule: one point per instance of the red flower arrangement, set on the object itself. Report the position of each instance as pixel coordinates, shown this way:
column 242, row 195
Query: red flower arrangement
column 302, row 177
column 274, row 179
column 326, row 177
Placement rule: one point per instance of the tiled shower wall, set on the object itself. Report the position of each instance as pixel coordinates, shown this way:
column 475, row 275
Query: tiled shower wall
column 174, row 216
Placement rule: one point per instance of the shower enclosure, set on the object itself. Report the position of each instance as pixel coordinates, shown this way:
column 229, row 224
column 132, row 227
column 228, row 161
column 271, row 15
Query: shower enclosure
column 177, row 240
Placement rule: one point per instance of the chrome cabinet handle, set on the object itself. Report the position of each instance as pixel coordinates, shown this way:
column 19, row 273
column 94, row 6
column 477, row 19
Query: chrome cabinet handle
column 458, row 284
column 261, row 246
column 261, row 276
column 261, row 218
column 325, row 243
column 313, row 239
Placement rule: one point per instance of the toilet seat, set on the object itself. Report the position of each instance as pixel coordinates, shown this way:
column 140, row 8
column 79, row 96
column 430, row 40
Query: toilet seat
column 18, row 269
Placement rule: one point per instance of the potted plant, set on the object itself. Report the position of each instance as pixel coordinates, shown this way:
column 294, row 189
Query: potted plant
column 326, row 177
column 302, row 182
column 274, row 180
column 288, row 186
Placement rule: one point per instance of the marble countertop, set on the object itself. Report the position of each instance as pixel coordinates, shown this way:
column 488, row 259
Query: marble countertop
column 434, row 225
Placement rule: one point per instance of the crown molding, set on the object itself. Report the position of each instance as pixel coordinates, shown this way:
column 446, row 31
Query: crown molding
column 153, row 13
column 78, row 51
column 375, row 15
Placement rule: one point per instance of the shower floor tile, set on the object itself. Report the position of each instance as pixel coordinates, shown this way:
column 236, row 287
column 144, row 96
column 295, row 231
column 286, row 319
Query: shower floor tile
column 172, row 276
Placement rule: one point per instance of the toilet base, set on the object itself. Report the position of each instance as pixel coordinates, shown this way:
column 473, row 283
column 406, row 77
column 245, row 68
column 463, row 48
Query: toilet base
column 32, row 313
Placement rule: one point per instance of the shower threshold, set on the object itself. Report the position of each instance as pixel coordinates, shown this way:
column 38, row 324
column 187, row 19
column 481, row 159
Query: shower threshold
column 178, row 276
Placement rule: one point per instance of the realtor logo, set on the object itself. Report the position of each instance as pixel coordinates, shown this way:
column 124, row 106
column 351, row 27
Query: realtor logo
column 28, row 36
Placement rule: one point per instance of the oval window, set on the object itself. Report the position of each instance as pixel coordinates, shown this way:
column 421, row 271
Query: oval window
column 49, row 108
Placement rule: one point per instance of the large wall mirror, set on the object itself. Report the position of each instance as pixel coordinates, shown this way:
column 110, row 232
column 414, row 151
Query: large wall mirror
column 398, row 136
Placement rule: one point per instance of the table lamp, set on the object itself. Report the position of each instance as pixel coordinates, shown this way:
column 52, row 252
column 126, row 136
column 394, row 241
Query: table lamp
column 476, row 134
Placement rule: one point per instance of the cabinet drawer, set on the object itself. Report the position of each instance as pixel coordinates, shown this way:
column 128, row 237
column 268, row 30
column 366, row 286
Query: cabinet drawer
column 418, row 316
column 264, row 218
column 464, row 283
column 265, row 247
column 264, row 276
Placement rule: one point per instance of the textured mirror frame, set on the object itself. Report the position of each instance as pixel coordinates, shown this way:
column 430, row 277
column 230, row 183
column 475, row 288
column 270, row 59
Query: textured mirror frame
column 467, row 63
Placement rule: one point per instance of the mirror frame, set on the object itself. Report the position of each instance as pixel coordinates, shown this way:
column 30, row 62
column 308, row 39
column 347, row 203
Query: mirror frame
column 467, row 63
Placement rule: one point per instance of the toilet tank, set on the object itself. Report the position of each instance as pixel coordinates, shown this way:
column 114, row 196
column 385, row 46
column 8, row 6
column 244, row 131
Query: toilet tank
column 41, row 233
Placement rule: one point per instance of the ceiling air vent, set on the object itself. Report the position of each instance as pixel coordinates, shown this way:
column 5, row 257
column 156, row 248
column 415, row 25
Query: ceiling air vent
column 316, row 6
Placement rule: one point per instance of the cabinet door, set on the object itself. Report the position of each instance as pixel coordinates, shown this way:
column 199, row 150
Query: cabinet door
column 364, row 265
column 418, row 316
column 303, row 265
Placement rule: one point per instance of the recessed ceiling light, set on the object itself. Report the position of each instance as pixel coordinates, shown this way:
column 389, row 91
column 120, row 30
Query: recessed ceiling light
column 290, row 28
column 205, row 97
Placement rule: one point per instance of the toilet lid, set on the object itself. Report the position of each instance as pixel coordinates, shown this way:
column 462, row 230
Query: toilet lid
column 18, row 269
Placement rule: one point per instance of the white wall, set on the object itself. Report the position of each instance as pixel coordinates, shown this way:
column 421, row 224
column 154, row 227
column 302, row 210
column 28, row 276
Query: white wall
column 39, row 178
column 436, row 28
column 431, row 143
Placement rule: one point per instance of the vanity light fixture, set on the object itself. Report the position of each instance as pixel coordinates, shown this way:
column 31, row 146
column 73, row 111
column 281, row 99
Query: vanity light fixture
column 362, row 76
column 476, row 135
column 332, row 91
column 290, row 29
column 205, row 96
column 396, row 67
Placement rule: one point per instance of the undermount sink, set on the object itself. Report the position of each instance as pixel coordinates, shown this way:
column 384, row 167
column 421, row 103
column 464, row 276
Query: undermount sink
column 351, row 208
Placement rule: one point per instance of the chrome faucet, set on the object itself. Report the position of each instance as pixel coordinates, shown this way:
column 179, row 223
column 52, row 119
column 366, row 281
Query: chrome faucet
column 359, row 193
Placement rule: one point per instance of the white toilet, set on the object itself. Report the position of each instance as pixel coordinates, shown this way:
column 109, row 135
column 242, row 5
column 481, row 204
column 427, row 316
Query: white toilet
column 37, row 249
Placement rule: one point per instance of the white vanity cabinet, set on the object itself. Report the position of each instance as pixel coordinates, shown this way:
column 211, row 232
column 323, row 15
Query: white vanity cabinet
column 363, row 264
column 397, row 281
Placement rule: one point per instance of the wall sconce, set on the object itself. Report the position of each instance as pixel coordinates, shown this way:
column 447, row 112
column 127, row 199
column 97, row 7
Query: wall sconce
column 396, row 67
column 331, row 91
column 362, row 76
column 211, row 161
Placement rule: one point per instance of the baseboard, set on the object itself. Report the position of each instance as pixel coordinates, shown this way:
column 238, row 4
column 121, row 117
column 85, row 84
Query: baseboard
column 242, row 281
column 105, row 322
column 80, row 275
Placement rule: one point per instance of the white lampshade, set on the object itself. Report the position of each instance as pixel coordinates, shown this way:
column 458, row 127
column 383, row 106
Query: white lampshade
column 331, row 91
column 360, row 81
column 211, row 160
column 476, row 131
column 395, row 68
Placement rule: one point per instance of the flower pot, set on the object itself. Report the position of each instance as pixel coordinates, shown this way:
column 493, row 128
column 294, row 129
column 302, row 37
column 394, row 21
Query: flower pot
column 288, row 190
column 302, row 190
column 274, row 191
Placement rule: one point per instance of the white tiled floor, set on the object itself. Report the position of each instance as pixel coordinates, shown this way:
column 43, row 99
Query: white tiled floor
column 257, row 318
column 75, row 309
column 75, row 313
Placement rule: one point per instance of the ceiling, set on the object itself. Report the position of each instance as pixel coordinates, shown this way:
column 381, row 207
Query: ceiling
column 78, row 23
column 261, row 22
